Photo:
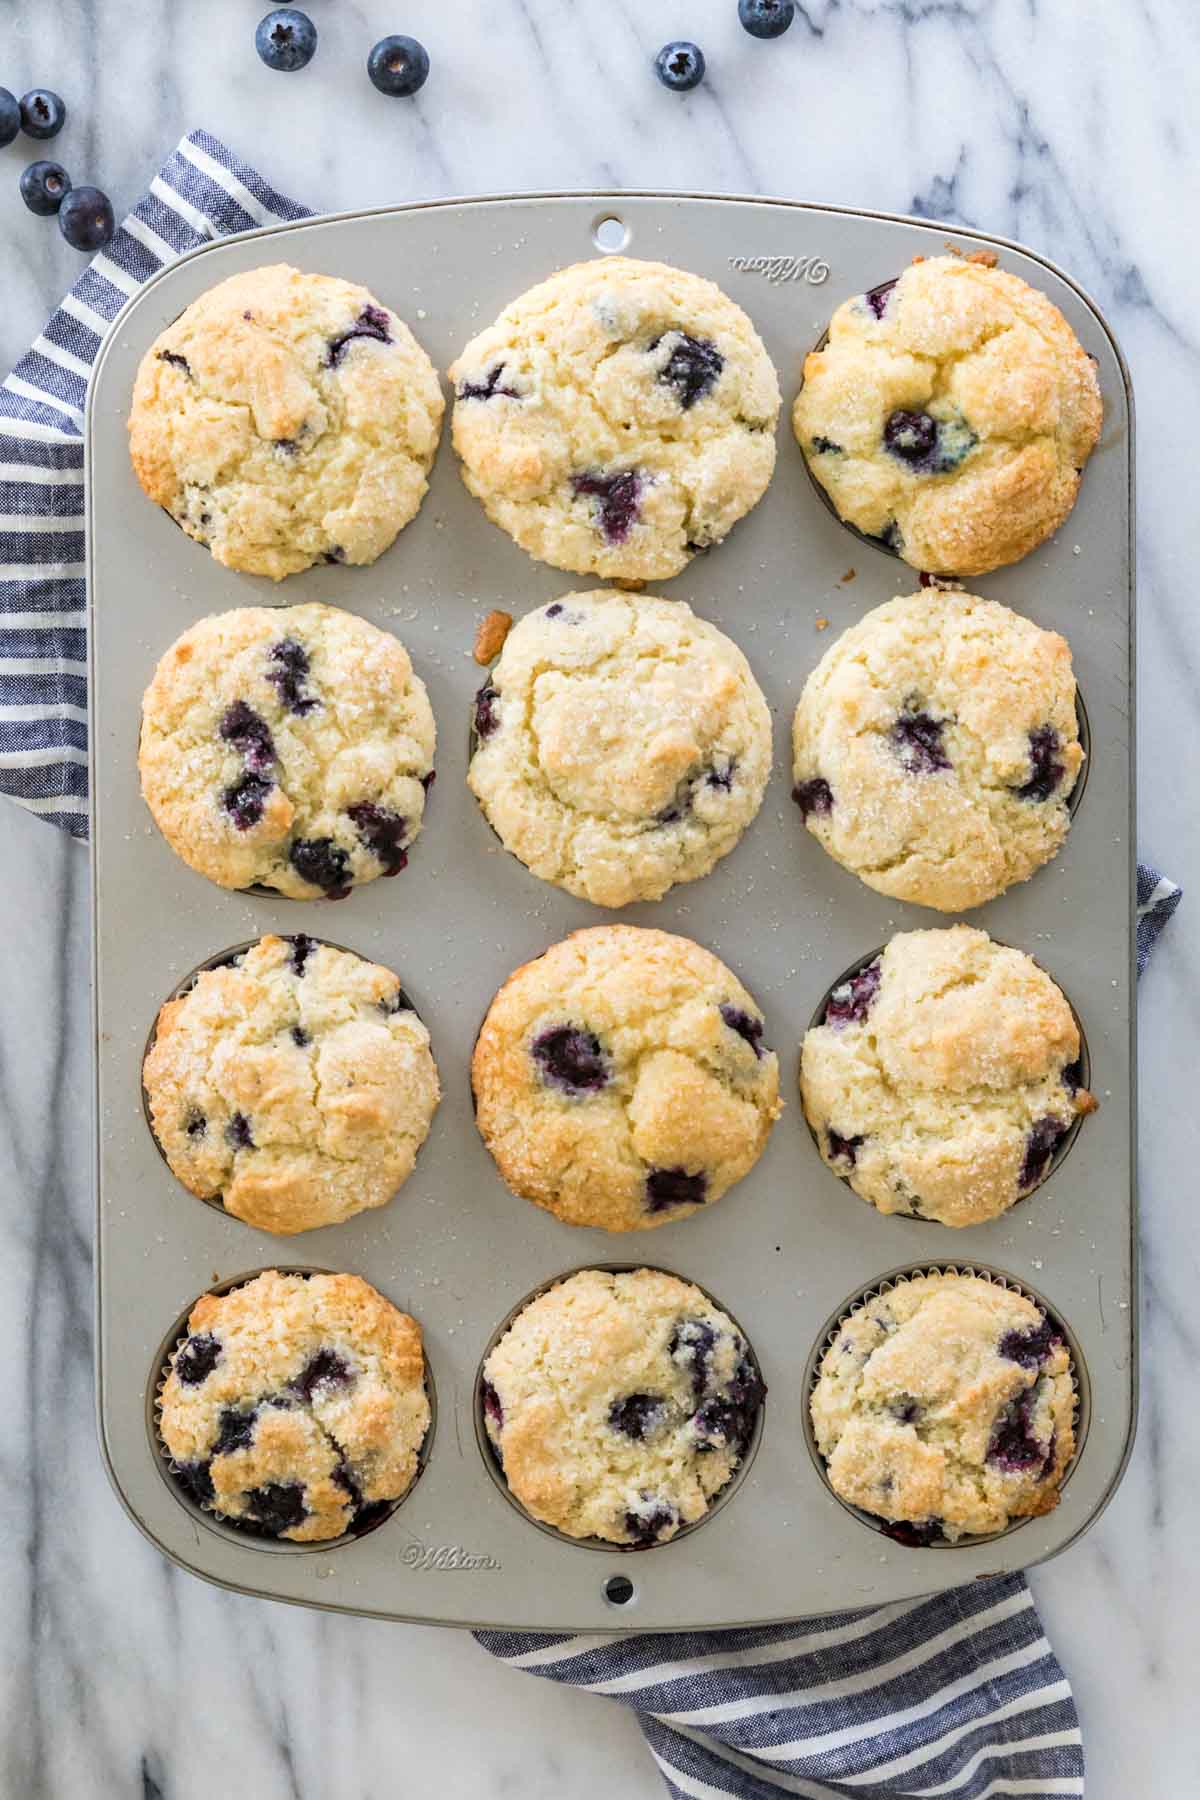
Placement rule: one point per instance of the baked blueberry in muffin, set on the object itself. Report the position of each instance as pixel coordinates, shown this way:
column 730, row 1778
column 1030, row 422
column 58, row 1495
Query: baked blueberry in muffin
column 949, row 414
column 619, row 1405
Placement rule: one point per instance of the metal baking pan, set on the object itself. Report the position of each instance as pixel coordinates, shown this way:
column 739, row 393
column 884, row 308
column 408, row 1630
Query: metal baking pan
column 788, row 1247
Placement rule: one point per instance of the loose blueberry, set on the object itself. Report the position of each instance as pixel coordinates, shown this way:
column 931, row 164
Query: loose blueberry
column 302, row 949
column 674, row 1187
column 914, row 1537
column 238, row 1133
column 43, row 185
column 197, row 1124
column 680, row 66
column 286, row 40
column 301, row 1038
column 745, row 1024
column 766, row 18
column 372, row 322
column 398, row 65
column 823, row 446
column 235, row 1430
column 1041, row 1143
column 617, row 496
column 877, row 297
column 486, row 720
column 10, row 117
column 43, row 113
column 691, row 1344
column 325, row 1370
column 489, row 388
column 851, row 1001
column 288, row 673
column 197, row 1358
column 492, row 1407
column 570, row 1058
column 637, row 1415
column 917, row 741
column 1046, row 769
column 843, row 1149
column 692, row 368
column 1030, row 1348
column 176, row 361
column 86, row 220
column 245, row 800
column 1013, row 1445
column 383, row 832
column 196, row 1477
column 644, row 1527
column 276, row 1507
column 323, row 864
column 815, row 796
column 249, row 734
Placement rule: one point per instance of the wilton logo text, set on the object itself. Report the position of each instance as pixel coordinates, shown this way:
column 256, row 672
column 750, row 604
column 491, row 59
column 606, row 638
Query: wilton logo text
column 812, row 269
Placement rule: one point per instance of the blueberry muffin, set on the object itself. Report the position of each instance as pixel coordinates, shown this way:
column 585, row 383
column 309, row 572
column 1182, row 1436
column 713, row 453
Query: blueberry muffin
column 617, row 418
column 621, row 745
column 296, row 1406
column 945, row 1405
column 294, row 1083
column 944, row 1077
column 288, row 747
column 619, row 1405
column 286, row 419
column 621, row 1079
column 950, row 414
column 935, row 748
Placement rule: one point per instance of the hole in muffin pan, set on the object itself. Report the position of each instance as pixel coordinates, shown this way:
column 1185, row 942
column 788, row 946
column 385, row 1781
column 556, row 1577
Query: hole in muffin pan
column 214, row 1522
column 220, row 960
column 1079, row 1378
column 1061, row 1150
column 491, row 1461
column 610, row 234
column 619, row 1590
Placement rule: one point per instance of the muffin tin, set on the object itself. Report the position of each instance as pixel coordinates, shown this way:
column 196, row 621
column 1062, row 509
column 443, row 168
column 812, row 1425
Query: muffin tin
column 790, row 1248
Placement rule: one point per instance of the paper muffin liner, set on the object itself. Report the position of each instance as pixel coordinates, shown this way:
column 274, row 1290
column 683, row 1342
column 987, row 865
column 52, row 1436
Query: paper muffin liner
column 175, row 1475
column 491, row 1456
column 1084, row 1062
column 224, row 959
column 894, row 1530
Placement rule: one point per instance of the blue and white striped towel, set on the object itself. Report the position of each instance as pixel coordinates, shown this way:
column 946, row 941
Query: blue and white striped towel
column 957, row 1696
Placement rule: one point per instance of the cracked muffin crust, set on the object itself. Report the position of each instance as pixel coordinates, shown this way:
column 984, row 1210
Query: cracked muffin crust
column 621, row 1079
column 296, row 1406
column 950, row 414
column 622, row 745
column 286, row 419
column 617, row 418
column 944, row 1077
column 935, row 747
column 290, row 747
column 620, row 1404
column 945, row 1405
column 294, row 1083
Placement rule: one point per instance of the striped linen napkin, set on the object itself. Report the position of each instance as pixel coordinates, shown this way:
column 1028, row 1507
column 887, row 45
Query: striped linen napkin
column 959, row 1695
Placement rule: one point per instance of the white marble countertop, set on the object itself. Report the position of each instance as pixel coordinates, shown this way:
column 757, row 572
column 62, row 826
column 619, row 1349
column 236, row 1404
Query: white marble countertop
column 1075, row 129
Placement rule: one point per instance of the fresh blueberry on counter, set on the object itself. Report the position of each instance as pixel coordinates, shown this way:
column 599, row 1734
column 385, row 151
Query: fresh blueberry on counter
column 43, row 185
column 398, row 65
column 85, row 219
column 286, row 39
column 680, row 66
column 10, row 117
column 43, row 113
column 766, row 18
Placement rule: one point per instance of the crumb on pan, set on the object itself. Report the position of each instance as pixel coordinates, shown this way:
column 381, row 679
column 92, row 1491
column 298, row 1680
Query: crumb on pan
column 494, row 627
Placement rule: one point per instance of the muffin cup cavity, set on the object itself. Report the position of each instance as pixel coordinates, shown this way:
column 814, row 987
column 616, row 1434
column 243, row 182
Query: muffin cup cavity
column 223, row 959
column 914, row 1537
column 490, row 1458
column 216, row 1522
column 1065, row 1144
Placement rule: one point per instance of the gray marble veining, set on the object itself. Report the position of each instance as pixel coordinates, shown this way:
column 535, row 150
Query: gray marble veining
column 1075, row 129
